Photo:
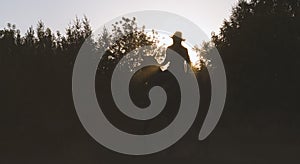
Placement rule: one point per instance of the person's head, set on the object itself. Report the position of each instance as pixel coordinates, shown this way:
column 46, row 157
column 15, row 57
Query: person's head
column 177, row 37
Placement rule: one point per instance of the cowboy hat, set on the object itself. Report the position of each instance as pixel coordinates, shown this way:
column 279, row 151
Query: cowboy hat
column 177, row 34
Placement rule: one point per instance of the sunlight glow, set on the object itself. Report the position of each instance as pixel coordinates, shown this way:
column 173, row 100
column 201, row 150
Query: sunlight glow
column 165, row 40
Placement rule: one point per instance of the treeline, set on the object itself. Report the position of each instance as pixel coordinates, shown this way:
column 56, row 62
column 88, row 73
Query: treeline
column 35, row 86
column 260, row 47
column 42, row 42
column 259, row 44
column 37, row 67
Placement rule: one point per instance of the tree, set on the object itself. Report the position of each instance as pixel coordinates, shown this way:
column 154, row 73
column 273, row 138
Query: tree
column 259, row 44
column 124, row 37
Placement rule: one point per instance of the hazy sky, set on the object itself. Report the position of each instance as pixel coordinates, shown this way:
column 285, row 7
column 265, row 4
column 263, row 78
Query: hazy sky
column 57, row 14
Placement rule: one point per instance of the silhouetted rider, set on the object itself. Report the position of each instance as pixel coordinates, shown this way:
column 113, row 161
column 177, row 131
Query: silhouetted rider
column 177, row 47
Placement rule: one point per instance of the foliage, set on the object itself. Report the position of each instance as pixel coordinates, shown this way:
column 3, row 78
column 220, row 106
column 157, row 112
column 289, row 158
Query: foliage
column 127, row 40
column 260, row 47
column 203, row 55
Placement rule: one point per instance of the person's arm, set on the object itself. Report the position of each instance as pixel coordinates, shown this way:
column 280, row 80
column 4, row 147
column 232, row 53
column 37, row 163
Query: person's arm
column 166, row 63
column 188, row 60
column 166, row 60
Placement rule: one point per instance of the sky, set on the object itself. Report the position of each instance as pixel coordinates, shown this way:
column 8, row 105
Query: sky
column 57, row 14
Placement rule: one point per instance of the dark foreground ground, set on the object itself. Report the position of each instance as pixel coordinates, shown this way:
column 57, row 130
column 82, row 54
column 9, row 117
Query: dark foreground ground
column 39, row 125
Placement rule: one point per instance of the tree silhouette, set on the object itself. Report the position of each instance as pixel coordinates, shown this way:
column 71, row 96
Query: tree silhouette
column 259, row 44
column 126, row 40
